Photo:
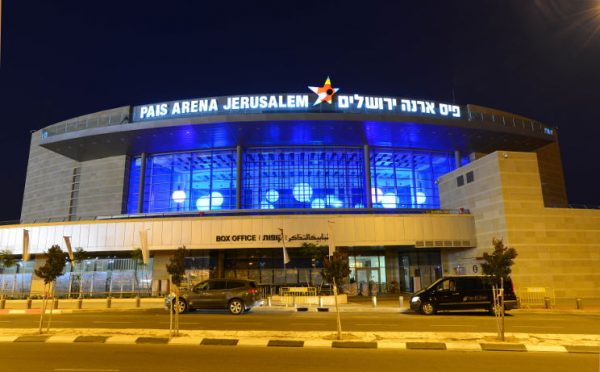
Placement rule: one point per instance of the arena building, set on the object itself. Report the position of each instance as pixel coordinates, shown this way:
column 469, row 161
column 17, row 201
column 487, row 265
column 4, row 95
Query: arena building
column 408, row 190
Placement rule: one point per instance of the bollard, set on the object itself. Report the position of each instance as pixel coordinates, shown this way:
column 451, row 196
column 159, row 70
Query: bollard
column 270, row 301
column 579, row 303
column 401, row 299
column 2, row 304
column 320, row 301
column 55, row 303
column 137, row 301
column 547, row 304
column 294, row 300
column 79, row 303
column 28, row 303
column 374, row 299
column 108, row 302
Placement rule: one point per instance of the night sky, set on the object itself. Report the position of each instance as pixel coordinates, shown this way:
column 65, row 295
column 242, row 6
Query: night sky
column 537, row 58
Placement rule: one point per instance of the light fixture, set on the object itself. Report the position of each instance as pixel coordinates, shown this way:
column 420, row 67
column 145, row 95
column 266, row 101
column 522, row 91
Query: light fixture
column 302, row 192
column 376, row 194
column 389, row 200
column 333, row 202
column 178, row 196
column 216, row 199
column 272, row 196
column 317, row 203
column 203, row 203
column 421, row 197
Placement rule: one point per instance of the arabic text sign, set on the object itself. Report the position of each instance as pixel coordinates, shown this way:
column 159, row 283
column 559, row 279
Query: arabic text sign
column 269, row 237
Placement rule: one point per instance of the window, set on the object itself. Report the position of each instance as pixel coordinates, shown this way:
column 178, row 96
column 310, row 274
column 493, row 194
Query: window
column 231, row 284
column 470, row 177
column 460, row 180
column 216, row 285
column 406, row 179
column 303, row 177
column 187, row 181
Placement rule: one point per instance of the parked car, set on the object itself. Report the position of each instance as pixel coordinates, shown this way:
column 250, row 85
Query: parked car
column 463, row 292
column 235, row 295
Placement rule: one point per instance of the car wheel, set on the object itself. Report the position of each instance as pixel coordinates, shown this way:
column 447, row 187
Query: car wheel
column 180, row 306
column 428, row 308
column 236, row 306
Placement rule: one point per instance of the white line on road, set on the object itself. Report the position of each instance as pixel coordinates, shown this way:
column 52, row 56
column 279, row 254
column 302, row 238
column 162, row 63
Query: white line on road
column 453, row 325
column 367, row 324
column 109, row 322
column 84, row 370
column 527, row 326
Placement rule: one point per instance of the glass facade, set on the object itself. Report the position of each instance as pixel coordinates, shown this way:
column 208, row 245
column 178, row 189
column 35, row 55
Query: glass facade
column 303, row 178
column 287, row 177
column 187, row 181
column 406, row 179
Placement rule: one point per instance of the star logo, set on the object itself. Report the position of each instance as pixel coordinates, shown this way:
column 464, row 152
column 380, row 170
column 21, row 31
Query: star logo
column 324, row 93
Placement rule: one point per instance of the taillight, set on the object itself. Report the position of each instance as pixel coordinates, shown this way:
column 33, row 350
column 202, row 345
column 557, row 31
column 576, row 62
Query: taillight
column 252, row 291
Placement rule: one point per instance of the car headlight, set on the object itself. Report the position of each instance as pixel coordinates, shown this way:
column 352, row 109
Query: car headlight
column 415, row 299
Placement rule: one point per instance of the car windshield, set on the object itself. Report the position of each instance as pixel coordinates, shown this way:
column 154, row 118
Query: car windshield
column 432, row 285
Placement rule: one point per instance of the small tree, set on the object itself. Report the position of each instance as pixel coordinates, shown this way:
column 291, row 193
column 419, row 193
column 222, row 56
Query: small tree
column 79, row 256
column 52, row 269
column 498, row 266
column 138, row 260
column 336, row 269
column 176, row 269
column 6, row 260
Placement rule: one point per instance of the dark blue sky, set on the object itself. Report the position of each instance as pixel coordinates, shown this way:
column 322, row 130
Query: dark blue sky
column 538, row 58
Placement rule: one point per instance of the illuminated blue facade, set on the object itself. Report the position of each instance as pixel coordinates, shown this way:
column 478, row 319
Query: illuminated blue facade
column 287, row 177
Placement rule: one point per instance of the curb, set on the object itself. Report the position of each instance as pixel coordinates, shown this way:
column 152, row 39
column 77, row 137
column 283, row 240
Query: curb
column 279, row 343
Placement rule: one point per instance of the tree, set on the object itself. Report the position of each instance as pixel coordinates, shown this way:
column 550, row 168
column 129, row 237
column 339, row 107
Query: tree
column 80, row 255
column 53, row 267
column 138, row 260
column 315, row 252
column 176, row 266
column 498, row 264
column 7, row 259
column 336, row 267
column 176, row 269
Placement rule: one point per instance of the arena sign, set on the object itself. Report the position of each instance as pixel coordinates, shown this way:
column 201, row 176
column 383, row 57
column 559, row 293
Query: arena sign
column 294, row 102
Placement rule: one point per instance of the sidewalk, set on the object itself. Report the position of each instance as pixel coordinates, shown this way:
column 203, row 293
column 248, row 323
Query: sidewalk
column 451, row 341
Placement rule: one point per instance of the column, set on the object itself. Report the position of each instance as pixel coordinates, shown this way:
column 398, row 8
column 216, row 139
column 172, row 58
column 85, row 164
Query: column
column 238, row 179
column 457, row 158
column 367, row 156
column 140, row 206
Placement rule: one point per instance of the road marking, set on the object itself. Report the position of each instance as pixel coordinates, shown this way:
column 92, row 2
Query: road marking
column 84, row 370
column 452, row 325
column 109, row 322
column 528, row 326
column 368, row 324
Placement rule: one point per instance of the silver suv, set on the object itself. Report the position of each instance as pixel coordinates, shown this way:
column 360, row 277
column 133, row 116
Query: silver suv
column 235, row 295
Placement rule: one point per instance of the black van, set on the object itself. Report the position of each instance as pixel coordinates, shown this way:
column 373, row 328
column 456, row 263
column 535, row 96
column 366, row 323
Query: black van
column 462, row 292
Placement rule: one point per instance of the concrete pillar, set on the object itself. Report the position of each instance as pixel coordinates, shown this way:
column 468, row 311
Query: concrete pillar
column 457, row 158
column 140, row 206
column 367, row 156
column 238, row 179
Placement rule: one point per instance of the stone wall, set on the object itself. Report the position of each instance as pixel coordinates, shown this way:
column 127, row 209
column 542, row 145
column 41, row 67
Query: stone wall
column 559, row 248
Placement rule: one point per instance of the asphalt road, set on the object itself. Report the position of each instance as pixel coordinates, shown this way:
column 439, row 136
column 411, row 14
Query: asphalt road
column 121, row 358
column 312, row 321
